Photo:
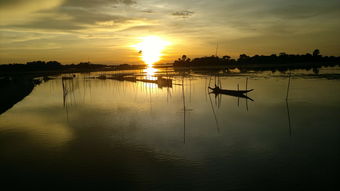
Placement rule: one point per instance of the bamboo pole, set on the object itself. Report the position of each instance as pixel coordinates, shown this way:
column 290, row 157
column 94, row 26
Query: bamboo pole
column 288, row 86
column 247, row 93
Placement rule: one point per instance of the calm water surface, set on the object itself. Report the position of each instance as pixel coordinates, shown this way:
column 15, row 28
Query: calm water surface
column 90, row 133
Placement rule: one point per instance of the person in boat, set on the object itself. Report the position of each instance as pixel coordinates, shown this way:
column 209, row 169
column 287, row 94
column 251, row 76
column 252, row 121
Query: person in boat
column 216, row 88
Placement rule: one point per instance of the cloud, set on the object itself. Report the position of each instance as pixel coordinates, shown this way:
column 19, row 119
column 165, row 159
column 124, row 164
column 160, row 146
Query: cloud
column 32, row 4
column 85, row 16
column 96, row 3
column 147, row 11
column 107, row 22
column 183, row 14
column 50, row 24
column 21, row 11
column 142, row 28
column 70, row 17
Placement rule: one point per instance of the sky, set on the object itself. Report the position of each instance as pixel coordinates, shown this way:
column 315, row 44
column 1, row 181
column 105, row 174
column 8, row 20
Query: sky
column 104, row 31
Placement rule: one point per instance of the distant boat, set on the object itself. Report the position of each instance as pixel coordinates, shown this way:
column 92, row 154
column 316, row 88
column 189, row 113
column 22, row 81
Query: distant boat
column 218, row 90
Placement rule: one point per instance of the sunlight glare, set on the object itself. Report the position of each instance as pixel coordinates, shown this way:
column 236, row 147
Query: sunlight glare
column 151, row 48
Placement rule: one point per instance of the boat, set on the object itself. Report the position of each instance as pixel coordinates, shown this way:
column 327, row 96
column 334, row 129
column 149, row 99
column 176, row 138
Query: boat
column 218, row 90
column 235, row 93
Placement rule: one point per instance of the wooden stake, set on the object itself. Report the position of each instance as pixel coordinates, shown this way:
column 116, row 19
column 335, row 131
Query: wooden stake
column 288, row 86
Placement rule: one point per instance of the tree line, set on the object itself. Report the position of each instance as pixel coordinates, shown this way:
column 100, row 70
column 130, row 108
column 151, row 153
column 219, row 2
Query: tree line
column 244, row 59
column 49, row 65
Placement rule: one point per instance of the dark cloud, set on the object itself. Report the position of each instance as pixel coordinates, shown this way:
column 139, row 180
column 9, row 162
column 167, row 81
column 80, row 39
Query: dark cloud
column 183, row 14
column 75, row 15
column 304, row 11
column 281, row 9
column 78, row 19
column 51, row 24
column 143, row 28
column 10, row 2
column 147, row 11
column 273, row 17
column 87, row 11
column 240, row 22
column 14, row 3
column 85, row 16
column 96, row 3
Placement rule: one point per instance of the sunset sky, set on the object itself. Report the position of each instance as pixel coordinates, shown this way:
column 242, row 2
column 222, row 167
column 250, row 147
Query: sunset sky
column 104, row 31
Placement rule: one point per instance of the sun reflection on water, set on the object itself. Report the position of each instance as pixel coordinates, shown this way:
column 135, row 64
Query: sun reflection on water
column 150, row 71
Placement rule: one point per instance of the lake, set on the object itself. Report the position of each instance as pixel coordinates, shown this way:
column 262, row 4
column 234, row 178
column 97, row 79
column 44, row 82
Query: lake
column 136, row 133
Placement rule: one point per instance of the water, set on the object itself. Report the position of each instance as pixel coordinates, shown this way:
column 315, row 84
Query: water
column 89, row 133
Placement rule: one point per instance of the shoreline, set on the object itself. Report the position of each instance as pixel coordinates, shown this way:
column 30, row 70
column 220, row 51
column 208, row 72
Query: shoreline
column 241, row 67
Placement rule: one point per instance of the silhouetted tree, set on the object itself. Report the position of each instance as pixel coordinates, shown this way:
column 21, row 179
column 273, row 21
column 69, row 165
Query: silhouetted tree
column 36, row 64
column 53, row 65
column 282, row 54
column 243, row 59
column 316, row 52
column 184, row 57
column 184, row 61
column 226, row 57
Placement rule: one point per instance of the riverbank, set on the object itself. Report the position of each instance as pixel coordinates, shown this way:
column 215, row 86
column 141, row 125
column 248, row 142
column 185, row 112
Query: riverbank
column 242, row 67
column 14, row 90
column 41, row 73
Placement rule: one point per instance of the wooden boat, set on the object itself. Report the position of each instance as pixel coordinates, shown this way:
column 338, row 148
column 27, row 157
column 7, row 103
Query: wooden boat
column 236, row 93
column 218, row 90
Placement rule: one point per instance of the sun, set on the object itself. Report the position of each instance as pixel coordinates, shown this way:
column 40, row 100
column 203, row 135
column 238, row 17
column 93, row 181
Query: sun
column 151, row 48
